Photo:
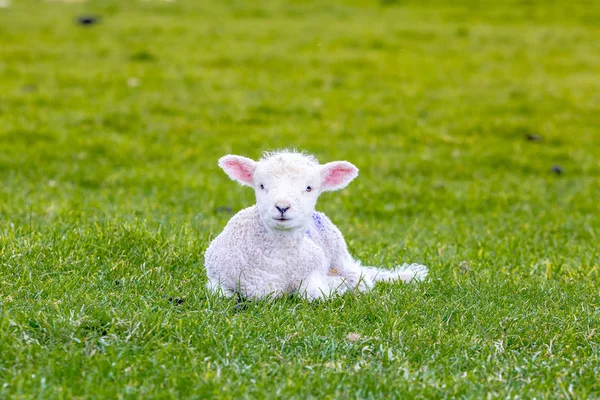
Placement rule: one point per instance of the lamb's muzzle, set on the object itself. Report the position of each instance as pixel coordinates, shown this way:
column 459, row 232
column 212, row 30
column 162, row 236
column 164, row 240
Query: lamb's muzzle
column 282, row 209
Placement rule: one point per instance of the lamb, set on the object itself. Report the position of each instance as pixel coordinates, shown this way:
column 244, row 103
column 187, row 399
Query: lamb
column 282, row 245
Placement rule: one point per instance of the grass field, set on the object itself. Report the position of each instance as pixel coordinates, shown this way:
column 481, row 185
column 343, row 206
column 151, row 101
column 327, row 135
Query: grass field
column 110, row 193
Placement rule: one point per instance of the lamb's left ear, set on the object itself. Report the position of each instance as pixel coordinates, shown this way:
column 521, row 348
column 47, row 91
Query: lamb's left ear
column 336, row 175
column 238, row 168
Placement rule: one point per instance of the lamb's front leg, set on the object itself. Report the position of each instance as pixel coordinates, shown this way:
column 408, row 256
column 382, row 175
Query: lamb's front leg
column 405, row 273
column 363, row 278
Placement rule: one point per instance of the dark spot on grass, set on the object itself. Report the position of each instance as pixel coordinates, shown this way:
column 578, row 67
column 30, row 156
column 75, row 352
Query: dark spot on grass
column 557, row 169
column 87, row 20
column 176, row 300
column 517, row 93
column 241, row 303
column 29, row 88
column 533, row 138
column 95, row 328
column 117, row 283
column 34, row 324
column 516, row 131
column 91, row 182
column 462, row 32
column 223, row 209
column 377, row 44
column 143, row 56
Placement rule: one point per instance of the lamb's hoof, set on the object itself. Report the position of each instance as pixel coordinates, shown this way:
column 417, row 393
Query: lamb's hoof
column 408, row 273
column 419, row 271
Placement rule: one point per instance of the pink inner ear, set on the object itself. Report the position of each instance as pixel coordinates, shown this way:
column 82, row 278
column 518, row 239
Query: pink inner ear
column 239, row 170
column 337, row 175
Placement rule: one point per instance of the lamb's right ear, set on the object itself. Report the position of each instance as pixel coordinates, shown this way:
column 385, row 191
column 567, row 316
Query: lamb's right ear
column 238, row 168
column 336, row 175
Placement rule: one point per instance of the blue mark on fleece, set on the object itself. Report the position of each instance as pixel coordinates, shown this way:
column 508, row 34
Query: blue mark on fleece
column 318, row 221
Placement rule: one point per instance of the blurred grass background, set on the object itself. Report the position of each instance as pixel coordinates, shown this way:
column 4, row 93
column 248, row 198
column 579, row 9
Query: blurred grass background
column 475, row 128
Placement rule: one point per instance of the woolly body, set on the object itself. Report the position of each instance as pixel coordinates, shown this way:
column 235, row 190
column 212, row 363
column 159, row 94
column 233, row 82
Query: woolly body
column 282, row 245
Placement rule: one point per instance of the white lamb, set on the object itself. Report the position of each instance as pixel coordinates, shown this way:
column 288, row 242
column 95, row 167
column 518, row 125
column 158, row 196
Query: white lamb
column 282, row 245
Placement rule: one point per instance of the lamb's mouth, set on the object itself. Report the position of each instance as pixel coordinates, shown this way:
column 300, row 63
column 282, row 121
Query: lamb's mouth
column 281, row 219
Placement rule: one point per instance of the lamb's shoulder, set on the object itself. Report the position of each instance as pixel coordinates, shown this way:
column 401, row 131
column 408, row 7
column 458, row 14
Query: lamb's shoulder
column 240, row 234
column 244, row 220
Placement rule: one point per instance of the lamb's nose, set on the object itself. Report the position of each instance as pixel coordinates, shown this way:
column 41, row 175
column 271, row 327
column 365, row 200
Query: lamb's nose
column 282, row 208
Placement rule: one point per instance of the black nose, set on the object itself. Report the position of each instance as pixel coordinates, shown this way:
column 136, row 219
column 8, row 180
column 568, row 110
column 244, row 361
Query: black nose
column 282, row 209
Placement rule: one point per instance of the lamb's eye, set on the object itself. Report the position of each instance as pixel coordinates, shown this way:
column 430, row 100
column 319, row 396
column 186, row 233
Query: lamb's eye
column 262, row 186
column 308, row 188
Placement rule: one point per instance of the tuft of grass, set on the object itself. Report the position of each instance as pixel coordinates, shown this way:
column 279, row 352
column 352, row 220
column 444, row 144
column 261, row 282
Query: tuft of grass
column 456, row 115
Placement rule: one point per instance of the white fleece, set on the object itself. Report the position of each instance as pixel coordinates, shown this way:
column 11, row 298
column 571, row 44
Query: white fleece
column 282, row 245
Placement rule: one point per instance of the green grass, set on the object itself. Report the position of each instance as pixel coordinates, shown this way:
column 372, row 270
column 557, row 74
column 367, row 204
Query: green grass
column 110, row 193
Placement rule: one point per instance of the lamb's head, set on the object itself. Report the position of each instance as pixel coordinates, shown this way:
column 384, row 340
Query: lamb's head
column 287, row 184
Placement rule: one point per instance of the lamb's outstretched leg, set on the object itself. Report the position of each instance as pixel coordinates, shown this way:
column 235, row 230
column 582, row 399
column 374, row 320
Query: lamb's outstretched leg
column 360, row 278
column 405, row 273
